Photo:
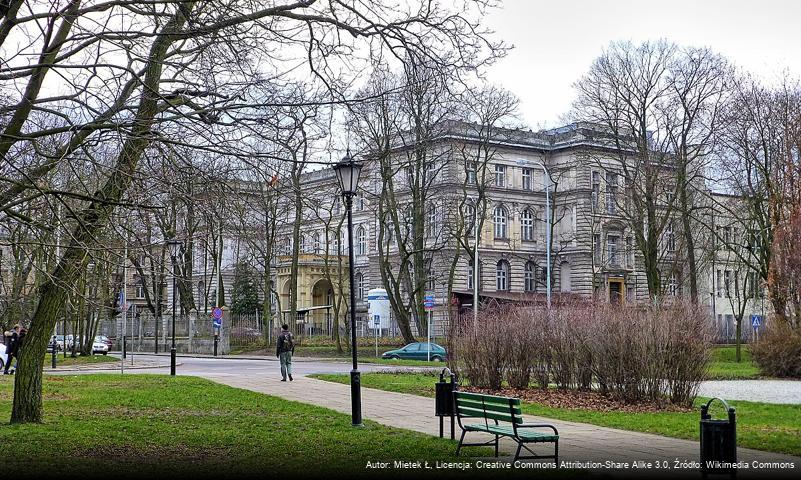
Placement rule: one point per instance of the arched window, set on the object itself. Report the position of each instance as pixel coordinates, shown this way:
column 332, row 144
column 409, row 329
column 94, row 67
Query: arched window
column 359, row 286
column 316, row 242
column 361, row 241
column 502, row 276
column 500, row 222
column 469, row 219
column 527, row 225
column 530, row 277
column 302, row 245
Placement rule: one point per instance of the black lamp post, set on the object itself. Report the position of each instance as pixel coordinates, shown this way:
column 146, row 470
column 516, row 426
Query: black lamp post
column 175, row 249
column 347, row 172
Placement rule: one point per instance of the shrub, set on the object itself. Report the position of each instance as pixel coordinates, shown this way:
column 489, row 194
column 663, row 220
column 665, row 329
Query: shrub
column 778, row 351
column 634, row 353
column 483, row 349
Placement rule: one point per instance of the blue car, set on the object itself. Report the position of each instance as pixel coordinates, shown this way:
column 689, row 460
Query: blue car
column 418, row 351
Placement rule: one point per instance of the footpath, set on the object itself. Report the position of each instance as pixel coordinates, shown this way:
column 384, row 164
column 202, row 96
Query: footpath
column 589, row 445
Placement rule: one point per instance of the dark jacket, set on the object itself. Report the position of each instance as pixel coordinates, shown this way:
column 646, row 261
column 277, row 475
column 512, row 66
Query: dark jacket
column 285, row 343
column 16, row 342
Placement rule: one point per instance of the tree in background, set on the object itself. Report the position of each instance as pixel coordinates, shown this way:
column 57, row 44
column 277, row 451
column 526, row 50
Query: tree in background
column 244, row 290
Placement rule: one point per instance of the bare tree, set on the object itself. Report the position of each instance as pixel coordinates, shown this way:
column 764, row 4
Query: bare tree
column 171, row 73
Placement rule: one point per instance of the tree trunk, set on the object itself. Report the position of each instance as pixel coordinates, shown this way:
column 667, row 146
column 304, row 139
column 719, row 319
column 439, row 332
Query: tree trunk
column 27, row 405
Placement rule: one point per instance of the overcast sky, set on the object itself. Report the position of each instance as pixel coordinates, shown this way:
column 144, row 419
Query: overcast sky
column 556, row 41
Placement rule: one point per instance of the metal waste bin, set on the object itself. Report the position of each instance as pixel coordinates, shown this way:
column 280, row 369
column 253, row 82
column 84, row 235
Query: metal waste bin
column 718, row 441
column 444, row 406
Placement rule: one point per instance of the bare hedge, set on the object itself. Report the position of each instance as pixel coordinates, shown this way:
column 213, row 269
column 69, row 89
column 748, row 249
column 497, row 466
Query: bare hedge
column 778, row 351
column 633, row 353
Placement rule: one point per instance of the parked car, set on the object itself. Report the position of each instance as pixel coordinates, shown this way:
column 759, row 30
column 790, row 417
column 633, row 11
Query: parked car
column 3, row 356
column 418, row 351
column 99, row 346
column 105, row 339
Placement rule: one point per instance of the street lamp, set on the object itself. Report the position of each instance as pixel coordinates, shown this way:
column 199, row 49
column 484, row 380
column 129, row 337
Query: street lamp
column 175, row 248
column 348, row 171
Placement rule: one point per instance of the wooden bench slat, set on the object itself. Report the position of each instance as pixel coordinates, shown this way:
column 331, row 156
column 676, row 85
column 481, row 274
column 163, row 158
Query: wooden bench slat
column 487, row 406
column 487, row 398
column 501, row 417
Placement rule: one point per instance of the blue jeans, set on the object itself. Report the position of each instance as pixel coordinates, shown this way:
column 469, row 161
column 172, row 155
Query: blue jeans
column 286, row 363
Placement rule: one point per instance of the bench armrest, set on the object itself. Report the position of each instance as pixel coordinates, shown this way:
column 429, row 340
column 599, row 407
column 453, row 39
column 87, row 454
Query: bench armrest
column 539, row 425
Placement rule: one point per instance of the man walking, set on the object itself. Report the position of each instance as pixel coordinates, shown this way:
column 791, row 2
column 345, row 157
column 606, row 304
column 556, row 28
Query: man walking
column 284, row 349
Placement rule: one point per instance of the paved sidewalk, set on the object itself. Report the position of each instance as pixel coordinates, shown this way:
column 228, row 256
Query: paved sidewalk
column 767, row 391
column 578, row 441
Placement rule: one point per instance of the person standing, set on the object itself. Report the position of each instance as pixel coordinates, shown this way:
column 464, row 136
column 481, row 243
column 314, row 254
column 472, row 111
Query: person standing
column 285, row 347
column 16, row 342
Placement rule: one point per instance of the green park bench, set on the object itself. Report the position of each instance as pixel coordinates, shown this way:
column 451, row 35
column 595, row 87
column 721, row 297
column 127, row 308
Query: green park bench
column 501, row 417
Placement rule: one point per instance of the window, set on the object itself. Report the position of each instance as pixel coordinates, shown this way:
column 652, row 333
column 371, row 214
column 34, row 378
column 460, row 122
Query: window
column 527, row 225
column 719, row 283
column 565, row 282
column 673, row 285
column 359, row 286
column 671, row 237
column 470, row 170
column 596, row 247
column 500, row 222
column 360, row 202
column 526, row 179
column 361, row 235
column 431, row 171
column 502, row 276
column 470, row 275
column 469, row 219
column 611, row 193
column 432, row 227
column 337, row 206
column 596, row 190
column 302, row 243
column 612, row 249
column 139, row 288
column 530, row 277
column 316, row 243
column 500, row 175
column 727, row 282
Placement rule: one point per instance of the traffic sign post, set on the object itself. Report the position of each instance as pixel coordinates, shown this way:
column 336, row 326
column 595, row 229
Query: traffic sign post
column 428, row 304
column 756, row 323
column 217, row 314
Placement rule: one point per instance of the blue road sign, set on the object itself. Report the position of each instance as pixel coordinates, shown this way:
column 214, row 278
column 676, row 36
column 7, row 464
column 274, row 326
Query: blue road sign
column 756, row 321
column 377, row 319
column 428, row 302
column 217, row 322
column 217, row 313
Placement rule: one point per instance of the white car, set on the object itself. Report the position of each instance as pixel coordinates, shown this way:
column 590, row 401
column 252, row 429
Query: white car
column 3, row 356
column 99, row 347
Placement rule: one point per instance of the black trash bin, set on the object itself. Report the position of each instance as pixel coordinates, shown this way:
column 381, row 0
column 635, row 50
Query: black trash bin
column 718, row 441
column 444, row 405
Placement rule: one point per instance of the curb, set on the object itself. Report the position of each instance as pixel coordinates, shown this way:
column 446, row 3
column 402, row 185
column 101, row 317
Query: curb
column 116, row 369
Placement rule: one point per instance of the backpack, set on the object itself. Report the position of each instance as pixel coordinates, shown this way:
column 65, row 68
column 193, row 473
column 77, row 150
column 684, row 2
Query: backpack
column 288, row 344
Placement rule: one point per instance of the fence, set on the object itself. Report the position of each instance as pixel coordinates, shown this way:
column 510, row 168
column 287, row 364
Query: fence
column 248, row 329
column 146, row 333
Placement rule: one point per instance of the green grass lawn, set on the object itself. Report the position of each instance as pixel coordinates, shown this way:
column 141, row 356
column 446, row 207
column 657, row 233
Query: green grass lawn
column 79, row 360
column 763, row 426
column 143, row 425
column 724, row 365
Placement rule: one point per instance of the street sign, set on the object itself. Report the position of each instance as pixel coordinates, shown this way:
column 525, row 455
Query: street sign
column 217, row 313
column 756, row 321
column 217, row 322
column 377, row 320
column 428, row 302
